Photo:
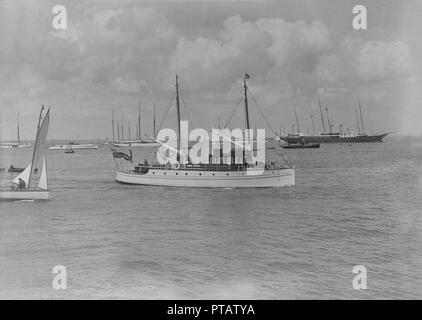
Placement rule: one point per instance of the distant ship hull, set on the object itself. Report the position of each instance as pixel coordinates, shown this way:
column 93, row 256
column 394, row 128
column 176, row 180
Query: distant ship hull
column 210, row 179
column 334, row 139
column 14, row 145
column 136, row 144
column 74, row 146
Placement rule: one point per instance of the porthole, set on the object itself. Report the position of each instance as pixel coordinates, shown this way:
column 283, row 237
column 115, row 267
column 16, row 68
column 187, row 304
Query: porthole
column 200, row 174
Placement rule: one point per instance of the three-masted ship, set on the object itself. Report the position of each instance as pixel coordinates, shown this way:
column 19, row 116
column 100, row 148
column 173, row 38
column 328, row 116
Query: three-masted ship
column 215, row 175
column 331, row 136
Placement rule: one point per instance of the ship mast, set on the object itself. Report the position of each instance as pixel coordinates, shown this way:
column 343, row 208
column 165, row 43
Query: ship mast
column 357, row 121
column 139, row 118
column 312, row 120
column 297, row 121
column 328, row 120
column 35, row 147
column 322, row 116
column 178, row 117
column 19, row 139
column 123, row 126
column 153, row 123
column 361, row 118
column 112, row 123
column 245, row 88
column 118, row 131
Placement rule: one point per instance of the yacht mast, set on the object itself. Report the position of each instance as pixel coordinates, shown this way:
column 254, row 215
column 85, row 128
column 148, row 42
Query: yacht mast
column 112, row 123
column 19, row 139
column 178, row 117
column 123, row 126
column 322, row 116
column 139, row 118
column 357, row 121
column 328, row 119
column 35, row 147
column 153, row 123
column 118, row 131
column 245, row 88
column 361, row 118
column 312, row 120
column 297, row 121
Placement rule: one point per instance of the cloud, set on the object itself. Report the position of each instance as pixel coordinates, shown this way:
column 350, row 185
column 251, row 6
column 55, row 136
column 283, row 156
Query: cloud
column 114, row 51
column 357, row 61
column 265, row 48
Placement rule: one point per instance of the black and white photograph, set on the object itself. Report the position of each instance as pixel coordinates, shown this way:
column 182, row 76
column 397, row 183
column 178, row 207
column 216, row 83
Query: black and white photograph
column 192, row 150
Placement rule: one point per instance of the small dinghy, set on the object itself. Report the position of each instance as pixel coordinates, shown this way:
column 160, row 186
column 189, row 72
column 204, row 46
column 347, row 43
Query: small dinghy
column 13, row 169
column 31, row 184
column 69, row 149
column 302, row 146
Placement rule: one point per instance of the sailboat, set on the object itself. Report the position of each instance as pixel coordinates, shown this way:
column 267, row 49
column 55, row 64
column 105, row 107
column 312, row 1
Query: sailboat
column 139, row 142
column 31, row 184
column 9, row 145
column 187, row 174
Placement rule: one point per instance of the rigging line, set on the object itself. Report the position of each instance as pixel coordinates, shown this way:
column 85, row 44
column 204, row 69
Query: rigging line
column 186, row 108
column 232, row 114
column 262, row 114
column 234, row 110
column 167, row 112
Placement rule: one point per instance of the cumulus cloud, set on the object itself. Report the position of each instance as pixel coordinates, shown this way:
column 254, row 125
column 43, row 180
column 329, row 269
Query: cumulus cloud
column 266, row 47
column 113, row 52
column 356, row 61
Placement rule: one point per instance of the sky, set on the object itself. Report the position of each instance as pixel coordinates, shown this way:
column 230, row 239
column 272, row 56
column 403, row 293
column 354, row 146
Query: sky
column 115, row 52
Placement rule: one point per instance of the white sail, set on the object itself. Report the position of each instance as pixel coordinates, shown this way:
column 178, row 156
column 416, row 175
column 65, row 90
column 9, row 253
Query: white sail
column 24, row 175
column 39, row 152
column 43, row 179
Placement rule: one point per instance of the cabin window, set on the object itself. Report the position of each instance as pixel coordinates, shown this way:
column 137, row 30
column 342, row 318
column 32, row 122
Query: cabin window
column 200, row 174
column 186, row 174
column 227, row 174
column 177, row 174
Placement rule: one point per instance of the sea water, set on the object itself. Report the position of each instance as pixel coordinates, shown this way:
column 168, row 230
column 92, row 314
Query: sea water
column 353, row 204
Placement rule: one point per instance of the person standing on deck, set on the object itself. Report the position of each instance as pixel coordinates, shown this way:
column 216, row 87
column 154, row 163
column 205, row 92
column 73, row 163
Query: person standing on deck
column 21, row 184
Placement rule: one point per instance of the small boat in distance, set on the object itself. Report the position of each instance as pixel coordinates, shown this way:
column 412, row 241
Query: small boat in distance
column 31, row 184
column 301, row 146
column 14, row 169
column 69, row 149
column 74, row 146
column 19, row 144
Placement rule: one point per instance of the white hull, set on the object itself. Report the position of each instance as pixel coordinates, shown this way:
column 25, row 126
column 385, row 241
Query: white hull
column 13, row 146
column 136, row 144
column 210, row 179
column 73, row 146
column 24, row 195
